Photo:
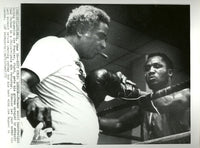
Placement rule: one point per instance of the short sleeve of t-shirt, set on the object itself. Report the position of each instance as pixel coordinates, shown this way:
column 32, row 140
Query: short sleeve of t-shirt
column 48, row 55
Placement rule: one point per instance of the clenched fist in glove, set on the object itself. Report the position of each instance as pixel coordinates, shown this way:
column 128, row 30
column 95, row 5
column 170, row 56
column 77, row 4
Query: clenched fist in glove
column 102, row 82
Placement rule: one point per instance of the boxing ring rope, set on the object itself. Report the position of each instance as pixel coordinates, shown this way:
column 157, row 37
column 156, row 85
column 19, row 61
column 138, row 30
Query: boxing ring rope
column 128, row 102
column 168, row 139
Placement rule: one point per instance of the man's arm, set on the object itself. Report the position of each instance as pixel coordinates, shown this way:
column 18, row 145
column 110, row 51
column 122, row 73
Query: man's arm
column 36, row 111
column 28, row 80
column 127, row 121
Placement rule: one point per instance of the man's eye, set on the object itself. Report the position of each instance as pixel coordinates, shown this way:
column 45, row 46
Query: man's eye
column 102, row 36
column 146, row 68
column 157, row 66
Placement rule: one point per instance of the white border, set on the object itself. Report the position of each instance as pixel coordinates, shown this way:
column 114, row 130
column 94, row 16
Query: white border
column 195, row 61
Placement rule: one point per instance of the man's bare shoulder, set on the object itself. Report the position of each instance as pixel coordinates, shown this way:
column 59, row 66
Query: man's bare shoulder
column 177, row 101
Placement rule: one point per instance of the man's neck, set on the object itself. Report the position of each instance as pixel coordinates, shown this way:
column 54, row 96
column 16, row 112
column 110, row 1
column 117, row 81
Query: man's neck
column 160, row 87
column 72, row 40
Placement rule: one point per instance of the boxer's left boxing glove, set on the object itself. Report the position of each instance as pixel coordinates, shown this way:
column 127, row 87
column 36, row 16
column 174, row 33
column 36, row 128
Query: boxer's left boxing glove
column 102, row 82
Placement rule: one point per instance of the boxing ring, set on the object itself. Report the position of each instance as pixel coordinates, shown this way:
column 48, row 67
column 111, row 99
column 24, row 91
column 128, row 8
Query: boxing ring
column 184, row 137
column 176, row 138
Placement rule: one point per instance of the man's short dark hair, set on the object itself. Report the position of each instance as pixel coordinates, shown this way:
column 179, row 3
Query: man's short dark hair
column 87, row 16
column 165, row 58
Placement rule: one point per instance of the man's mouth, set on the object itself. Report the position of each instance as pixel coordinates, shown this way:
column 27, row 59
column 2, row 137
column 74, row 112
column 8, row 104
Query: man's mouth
column 152, row 78
column 103, row 55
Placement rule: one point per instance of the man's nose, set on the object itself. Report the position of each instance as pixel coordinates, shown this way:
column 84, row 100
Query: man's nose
column 103, row 44
column 152, row 69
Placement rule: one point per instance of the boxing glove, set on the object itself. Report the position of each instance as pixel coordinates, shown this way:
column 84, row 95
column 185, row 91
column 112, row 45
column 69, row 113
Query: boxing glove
column 102, row 82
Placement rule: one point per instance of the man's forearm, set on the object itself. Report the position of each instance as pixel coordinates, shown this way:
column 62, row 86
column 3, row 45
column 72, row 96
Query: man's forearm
column 25, row 90
column 109, row 125
column 28, row 80
column 127, row 121
column 36, row 111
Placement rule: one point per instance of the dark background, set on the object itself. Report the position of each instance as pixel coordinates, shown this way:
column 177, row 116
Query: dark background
column 168, row 23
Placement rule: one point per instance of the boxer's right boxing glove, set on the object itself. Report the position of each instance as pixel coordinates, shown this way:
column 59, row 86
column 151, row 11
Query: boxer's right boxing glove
column 102, row 82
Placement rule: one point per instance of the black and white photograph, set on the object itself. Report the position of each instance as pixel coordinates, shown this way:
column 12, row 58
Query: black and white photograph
column 105, row 74
column 99, row 73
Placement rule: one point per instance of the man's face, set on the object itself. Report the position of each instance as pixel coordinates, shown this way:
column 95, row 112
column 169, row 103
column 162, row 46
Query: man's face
column 156, row 73
column 93, row 41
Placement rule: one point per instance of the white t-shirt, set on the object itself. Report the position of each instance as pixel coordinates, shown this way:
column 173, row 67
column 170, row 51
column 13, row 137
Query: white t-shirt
column 57, row 64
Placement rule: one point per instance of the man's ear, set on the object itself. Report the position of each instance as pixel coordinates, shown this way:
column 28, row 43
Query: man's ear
column 81, row 30
column 170, row 72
